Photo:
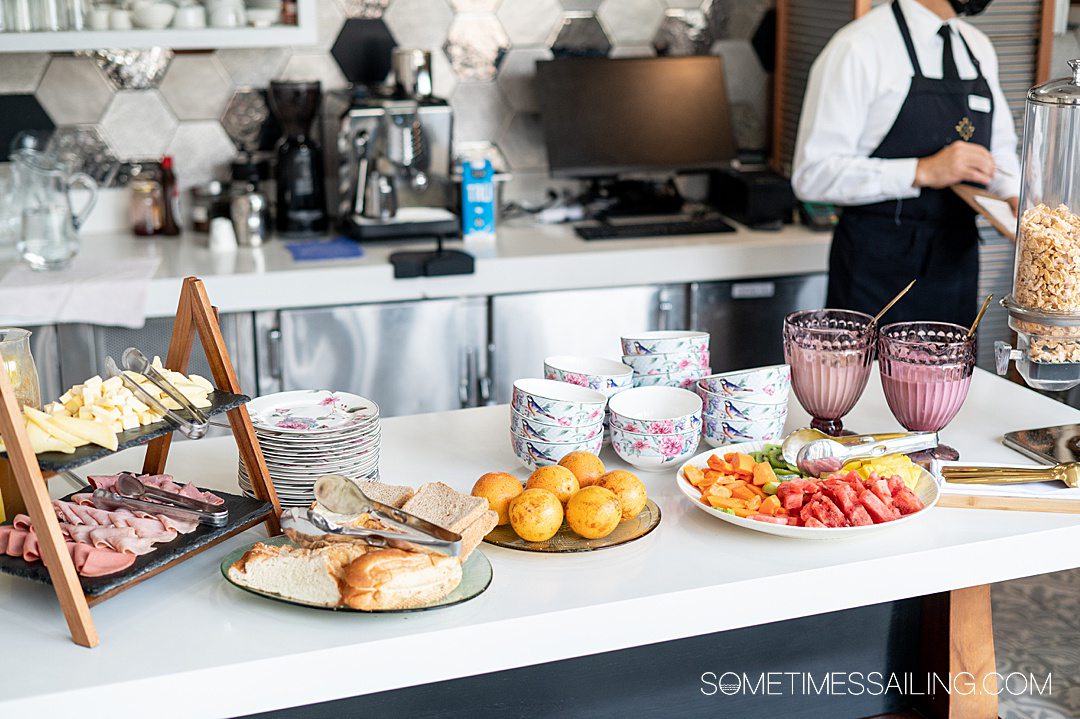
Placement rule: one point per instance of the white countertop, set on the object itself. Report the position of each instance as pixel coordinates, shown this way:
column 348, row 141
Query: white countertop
column 186, row 643
column 526, row 258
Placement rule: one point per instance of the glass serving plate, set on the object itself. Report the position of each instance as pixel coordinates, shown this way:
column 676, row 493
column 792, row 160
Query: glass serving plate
column 565, row 540
column 475, row 579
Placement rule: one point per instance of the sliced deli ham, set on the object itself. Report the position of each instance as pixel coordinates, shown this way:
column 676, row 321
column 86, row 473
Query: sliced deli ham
column 89, row 561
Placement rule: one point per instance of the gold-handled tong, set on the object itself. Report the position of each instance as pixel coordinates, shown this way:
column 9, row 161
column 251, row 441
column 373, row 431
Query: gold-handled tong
column 1068, row 473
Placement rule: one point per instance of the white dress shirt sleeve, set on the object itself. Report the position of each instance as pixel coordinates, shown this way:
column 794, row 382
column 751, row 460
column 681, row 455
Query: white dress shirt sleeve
column 828, row 166
column 1006, row 182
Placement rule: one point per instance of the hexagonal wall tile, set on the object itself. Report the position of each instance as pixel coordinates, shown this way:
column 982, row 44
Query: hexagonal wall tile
column 683, row 32
column 581, row 5
column 580, row 34
column 475, row 46
column 475, row 5
column 138, row 124
column 196, row 87
column 85, row 150
column 418, row 23
column 253, row 67
column 443, row 78
column 363, row 50
column 314, row 66
column 529, row 22
column 631, row 22
column 244, row 117
column 746, row 81
column 523, row 142
column 202, row 152
column 132, row 69
column 517, row 77
column 687, row 4
column 480, row 112
column 74, row 91
column 367, row 9
column 737, row 18
column 22, row 72
column 328, row 20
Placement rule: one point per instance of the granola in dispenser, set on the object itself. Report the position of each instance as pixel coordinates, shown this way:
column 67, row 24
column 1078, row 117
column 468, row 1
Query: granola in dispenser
column 1048, row 279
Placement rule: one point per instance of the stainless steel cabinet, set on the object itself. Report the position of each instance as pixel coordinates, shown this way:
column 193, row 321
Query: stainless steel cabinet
column 746, row 319
column 409, row 357
column 83, row 348
column 526, row 328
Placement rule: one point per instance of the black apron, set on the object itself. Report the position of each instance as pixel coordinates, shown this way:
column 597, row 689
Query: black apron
column 878, row 248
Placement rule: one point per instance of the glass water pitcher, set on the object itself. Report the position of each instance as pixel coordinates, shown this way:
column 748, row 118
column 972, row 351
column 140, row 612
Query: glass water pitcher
column 49, row 237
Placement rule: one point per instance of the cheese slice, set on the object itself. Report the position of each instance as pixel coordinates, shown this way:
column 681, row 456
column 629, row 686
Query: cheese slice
column 49, row 425
column 42, row 441
column 93, row 432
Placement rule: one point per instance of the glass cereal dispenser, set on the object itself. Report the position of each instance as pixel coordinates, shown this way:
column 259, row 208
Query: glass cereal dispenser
column 1044, row 307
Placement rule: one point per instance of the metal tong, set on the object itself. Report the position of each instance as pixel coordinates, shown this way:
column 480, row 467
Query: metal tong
column 1068, row 473
column 341, row 495
column 135, row 361
column 170, row 504
column 825, row 455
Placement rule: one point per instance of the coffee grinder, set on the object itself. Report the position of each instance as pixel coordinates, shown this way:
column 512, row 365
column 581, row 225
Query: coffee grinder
column 301, row 193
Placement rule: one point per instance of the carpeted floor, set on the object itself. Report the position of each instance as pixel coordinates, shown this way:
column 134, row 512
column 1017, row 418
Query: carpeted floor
column 1037, row 630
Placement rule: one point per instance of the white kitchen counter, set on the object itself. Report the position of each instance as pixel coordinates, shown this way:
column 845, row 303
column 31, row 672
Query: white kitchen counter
column 186, row 643
column 526, row 258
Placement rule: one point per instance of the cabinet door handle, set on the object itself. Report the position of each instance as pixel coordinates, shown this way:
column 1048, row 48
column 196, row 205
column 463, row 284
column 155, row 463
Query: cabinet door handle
column 663, row 313
column 467, row 379
column 273, row 353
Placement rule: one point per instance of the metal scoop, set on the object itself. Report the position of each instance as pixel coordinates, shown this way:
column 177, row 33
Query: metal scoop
column 823, row 456
column 1069, row 473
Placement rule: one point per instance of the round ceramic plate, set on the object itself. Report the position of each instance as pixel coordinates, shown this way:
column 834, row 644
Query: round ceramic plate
column 311, row 411
column 565, row 540
column 926, row 489
column 475, row 579
column 310, row 442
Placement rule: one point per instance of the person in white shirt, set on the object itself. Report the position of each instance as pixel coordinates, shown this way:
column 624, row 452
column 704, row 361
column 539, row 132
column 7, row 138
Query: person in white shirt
column 902, row 104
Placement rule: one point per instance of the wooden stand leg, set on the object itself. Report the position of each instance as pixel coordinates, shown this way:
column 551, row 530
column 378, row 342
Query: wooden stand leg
column 51, row 542
column 958, row 642
column 9, row 491
column 180, row 346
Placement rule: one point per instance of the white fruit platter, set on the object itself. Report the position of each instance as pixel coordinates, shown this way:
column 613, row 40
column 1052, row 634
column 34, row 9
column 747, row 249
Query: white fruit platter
column 927, row 489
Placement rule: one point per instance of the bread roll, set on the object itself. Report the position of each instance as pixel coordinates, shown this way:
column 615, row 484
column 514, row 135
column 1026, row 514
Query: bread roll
column 314, row 576
column 394, row 579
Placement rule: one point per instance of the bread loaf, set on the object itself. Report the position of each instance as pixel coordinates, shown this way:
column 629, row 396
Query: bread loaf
column 314, row 576
column 394, row 579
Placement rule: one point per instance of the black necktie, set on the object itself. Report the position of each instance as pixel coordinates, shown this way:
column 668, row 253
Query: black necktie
column 948, row 62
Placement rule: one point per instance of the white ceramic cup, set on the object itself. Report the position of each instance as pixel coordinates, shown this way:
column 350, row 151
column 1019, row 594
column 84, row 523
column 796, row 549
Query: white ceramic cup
column 189, row 17
column 222, row 235
column 227, row 15
column 120, row 19
column 98, row 18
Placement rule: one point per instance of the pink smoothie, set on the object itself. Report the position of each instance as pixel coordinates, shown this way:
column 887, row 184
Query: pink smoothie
column 925, row 398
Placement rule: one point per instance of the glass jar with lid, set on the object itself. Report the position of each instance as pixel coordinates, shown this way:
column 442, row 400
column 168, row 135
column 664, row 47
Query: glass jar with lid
column 1044, row 307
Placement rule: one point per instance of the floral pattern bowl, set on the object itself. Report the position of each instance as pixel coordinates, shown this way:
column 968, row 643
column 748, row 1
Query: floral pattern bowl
column 559, row 404
column 655, row 410
column 768, row 385
column 682, row 381
column 685, row 362
column 533, row 453
column 603, row 375
column 526, row 428
column 666, row 342
column 740, row 409
column 654, row 452
column 719, row 431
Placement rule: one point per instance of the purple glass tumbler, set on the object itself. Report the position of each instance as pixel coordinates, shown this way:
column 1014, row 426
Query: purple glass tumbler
column 830, row 353
column 926, row 372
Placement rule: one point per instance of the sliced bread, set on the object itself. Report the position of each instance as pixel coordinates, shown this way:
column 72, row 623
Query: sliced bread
column 392, row 494
column 314, row 576
column 450, row 509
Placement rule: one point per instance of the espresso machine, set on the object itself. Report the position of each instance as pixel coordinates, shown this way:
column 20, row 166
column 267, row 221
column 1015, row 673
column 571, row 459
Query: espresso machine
column 394, row 174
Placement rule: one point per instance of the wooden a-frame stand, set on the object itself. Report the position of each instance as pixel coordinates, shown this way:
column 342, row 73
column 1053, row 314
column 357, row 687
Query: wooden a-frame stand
column 194, row 314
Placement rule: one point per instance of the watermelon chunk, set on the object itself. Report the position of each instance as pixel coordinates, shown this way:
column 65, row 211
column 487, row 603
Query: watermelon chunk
column 859, row 517
column 813, row 523
column 906, row 502
column 880, row 488
column 879, row 511
column 827, row 513
column 770, row 519
column 896, row 484
column 843, row 496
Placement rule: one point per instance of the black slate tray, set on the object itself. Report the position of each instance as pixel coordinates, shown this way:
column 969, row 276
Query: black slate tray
column 244, row 513
column 220, row 402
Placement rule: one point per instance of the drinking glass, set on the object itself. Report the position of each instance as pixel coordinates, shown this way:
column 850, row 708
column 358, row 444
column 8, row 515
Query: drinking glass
column 926, row 372
column 830, row 353
column 16, row 360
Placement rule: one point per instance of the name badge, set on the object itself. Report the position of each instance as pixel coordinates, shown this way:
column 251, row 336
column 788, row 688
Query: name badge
column 978, row 103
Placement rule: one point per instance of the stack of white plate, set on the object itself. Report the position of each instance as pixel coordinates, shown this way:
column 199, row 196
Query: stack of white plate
column 309, row 433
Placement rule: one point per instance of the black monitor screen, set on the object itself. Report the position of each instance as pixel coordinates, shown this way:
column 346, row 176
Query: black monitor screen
column 606, row 116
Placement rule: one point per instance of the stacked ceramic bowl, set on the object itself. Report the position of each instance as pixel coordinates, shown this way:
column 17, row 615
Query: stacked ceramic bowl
column 606, row 376
column 676, row 358
column 655, row 428
column 745, row 405
column 550, row 419
column 309, row 433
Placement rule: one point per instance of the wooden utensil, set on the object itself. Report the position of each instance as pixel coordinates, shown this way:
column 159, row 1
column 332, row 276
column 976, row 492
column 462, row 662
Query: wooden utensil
column 978, row 317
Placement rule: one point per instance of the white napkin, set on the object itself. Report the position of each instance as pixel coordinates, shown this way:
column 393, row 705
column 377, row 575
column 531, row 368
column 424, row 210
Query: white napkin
column 93, row 290
column 1054, row 490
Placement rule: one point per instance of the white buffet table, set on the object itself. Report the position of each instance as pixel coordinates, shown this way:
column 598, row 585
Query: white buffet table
column 186, row 643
